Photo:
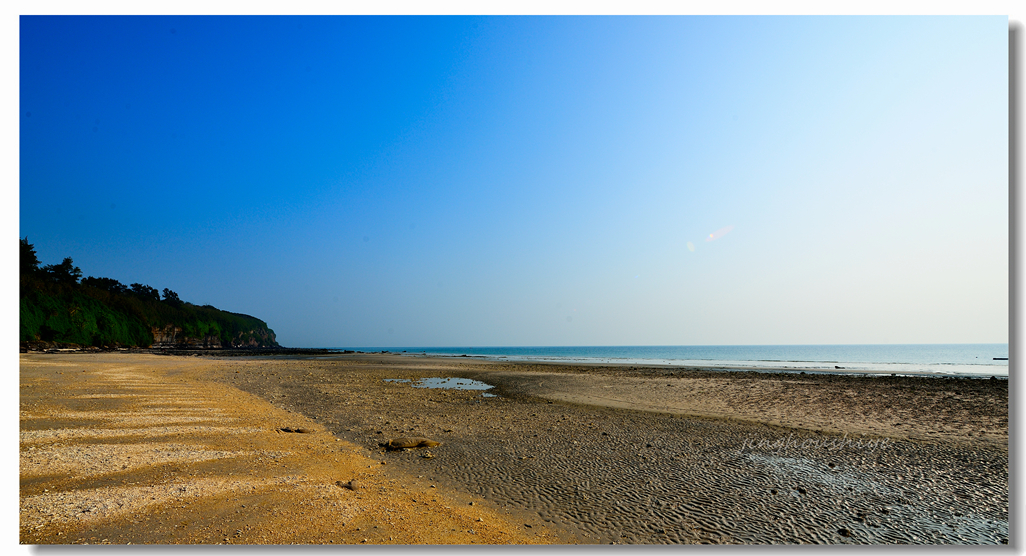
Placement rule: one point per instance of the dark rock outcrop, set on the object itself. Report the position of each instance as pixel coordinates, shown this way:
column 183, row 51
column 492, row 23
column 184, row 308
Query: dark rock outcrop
column 171, row 336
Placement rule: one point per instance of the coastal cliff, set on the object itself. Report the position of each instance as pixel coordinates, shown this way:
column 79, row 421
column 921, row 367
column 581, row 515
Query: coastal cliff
column 171, row 336
column 59, row 307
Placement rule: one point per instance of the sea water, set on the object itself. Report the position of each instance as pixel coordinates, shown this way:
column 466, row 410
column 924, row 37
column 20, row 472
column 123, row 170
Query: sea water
column 937, row 359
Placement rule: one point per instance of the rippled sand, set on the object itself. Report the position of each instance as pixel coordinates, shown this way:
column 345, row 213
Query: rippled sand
column 629, row 455
column 619, row 454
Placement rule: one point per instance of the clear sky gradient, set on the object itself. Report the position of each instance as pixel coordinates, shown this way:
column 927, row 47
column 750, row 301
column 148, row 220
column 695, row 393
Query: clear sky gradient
column 470, row 181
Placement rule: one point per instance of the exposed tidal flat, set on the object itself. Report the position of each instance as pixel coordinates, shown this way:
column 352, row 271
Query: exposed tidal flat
column 596, row 454
column 662, row 455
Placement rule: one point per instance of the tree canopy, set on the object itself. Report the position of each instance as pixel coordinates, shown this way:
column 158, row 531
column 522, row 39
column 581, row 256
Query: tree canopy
column 58, row 305
column 64, row 273
column 29, row 261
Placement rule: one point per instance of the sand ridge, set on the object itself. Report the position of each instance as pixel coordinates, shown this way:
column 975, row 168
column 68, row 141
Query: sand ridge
column 914, row 408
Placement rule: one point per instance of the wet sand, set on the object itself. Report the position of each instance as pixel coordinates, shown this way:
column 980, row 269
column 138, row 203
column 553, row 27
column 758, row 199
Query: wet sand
column 634, row 455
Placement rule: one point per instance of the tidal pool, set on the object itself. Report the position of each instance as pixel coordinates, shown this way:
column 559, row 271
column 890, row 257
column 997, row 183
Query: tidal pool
column 448, row 383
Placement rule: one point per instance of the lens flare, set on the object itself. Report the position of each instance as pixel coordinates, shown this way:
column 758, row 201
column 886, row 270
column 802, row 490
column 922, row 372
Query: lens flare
column 691, row 247
column 719, row 233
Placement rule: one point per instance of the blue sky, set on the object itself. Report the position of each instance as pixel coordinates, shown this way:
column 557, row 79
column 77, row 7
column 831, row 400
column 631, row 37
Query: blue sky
column 433, row 181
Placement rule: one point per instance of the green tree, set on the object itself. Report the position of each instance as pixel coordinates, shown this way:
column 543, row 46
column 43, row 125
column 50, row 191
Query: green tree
column 145, row 292
column 171, row 298
column 106, row 284
column 29, row 261
column 64, row 273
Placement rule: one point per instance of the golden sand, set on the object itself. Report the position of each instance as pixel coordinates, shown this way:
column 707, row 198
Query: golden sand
column 120, row 448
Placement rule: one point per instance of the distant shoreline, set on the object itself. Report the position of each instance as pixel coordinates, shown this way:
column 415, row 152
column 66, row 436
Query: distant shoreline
column 871, row 359
column 640, row 366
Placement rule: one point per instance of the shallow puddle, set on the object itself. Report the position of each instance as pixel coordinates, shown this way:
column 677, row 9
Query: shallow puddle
column 447, row 383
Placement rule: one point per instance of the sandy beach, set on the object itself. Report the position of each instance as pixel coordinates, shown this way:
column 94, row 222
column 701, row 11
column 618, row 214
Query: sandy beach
column 136, row 448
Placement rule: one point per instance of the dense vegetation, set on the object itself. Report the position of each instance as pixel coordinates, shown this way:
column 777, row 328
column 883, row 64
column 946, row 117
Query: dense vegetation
column 58, row 305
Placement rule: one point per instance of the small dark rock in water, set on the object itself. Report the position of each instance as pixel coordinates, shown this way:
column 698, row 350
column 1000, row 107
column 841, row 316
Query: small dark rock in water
column 773, row 491
column 802, row 491
column 831, row 465
column 844, row 532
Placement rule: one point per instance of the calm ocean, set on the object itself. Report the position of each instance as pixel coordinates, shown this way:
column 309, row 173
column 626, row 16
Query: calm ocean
column 942, row 359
